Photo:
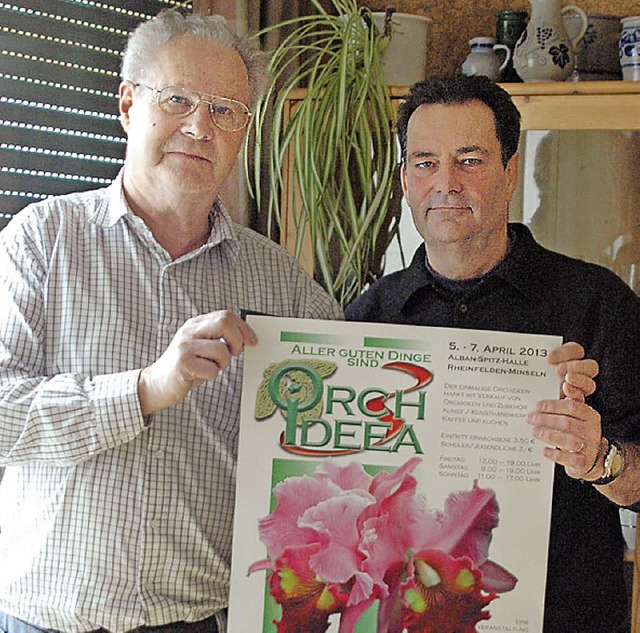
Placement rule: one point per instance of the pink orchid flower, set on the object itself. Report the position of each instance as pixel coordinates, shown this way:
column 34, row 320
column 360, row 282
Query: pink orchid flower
column 342, row 539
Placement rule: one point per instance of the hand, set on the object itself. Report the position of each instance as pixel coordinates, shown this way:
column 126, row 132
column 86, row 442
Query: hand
column 577, row 373
column 572, row 431
column 199, row 351
column 570, row 427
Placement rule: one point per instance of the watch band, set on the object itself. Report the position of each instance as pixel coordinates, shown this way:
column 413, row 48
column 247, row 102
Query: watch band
column 613, row 464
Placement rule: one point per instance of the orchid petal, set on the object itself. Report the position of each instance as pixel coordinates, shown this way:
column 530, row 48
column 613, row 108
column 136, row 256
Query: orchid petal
column 362, row 589
column 384, row 482
column 349, row 477
column 467, row 522
column 334, row 522
column 340, row 539
column 443, row 594
column 260, row 565
column 399, row 526
column 306, row 601
column 351, row 615
column 293, row 497
column 496, row 578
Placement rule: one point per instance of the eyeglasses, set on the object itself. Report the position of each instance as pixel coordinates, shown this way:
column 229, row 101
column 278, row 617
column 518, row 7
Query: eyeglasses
column 228, row 114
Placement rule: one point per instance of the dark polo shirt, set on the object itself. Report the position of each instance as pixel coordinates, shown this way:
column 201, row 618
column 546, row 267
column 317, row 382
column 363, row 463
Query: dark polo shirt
column 534, row 290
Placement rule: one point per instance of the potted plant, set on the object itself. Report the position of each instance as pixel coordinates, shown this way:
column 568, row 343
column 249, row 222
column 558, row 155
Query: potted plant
column 337, row 145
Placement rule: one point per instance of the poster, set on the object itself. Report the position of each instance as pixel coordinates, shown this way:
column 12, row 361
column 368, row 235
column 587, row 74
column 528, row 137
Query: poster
column 388, row 481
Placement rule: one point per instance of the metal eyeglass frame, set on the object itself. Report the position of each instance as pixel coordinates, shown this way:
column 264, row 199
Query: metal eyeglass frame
column 196, row 101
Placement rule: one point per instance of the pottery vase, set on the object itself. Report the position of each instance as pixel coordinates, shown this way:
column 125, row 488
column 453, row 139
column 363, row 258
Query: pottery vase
column 630, row 48
column 545, row 52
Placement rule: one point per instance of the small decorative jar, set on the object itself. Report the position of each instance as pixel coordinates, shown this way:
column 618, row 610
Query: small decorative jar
column 482, row 60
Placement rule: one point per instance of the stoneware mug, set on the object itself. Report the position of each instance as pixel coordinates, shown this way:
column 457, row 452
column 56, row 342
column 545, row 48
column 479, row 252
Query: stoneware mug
column 630, row 47
column 630, row 63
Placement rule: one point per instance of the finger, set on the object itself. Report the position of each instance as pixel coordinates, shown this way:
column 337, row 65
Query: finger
column 569, row 391
column 567, row 442
column 566, row 352
column 249, row 336
column 552, row 419
column 565, row 408
column 576, row 464
column 571, row 426
column 585, row 367
column 226, row 326
column 576, row 453
column 203, row 368
column 205, row 352
column 578, row 384
column 237, row 335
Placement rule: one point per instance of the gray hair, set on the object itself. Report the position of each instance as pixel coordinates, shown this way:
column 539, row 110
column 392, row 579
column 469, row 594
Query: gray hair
column 149, row 38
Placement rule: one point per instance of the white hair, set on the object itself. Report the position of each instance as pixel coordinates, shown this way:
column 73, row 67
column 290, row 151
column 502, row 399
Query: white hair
column 149, row 38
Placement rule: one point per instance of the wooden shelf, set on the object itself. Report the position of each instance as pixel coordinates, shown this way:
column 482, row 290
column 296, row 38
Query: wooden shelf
column 557, row 88
column 577, row 105
column 562, row 105
column 588, row 105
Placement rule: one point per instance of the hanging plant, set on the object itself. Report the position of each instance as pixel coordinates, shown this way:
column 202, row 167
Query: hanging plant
column 336, row 147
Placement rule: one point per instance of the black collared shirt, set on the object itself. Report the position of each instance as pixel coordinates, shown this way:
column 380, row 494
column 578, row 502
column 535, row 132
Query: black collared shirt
column 534, row 290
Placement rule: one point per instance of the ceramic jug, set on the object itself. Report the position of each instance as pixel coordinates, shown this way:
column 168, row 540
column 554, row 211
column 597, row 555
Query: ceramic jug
column 545, row 52
column 482, row 60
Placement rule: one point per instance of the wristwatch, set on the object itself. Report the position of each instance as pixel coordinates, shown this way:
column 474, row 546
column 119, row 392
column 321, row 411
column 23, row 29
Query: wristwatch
column 613, row 464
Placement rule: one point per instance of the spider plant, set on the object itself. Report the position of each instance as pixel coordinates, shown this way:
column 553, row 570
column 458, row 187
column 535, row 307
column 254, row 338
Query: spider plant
column 336, row 151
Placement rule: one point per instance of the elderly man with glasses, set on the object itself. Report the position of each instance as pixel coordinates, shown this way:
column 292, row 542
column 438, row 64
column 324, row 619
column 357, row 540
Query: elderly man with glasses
column 121, row 355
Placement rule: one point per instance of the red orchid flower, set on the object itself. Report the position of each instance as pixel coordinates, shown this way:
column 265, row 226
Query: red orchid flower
column 342, row 539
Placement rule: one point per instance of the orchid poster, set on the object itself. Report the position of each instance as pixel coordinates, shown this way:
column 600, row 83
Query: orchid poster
column 388, row 481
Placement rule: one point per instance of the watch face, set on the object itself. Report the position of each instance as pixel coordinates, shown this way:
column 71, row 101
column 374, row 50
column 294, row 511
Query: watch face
column 616, row 462
column 613, row 464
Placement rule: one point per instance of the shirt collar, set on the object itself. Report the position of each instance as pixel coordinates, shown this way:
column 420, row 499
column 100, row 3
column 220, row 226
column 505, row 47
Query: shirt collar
column 518, row 269
column 115, row 206
column 515, row 269
column 221, row 225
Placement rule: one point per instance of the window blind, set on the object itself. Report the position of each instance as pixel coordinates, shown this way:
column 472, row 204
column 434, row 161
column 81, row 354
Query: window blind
column 59, row 76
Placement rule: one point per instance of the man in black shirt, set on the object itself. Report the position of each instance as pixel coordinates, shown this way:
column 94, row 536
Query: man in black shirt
column 459, row 139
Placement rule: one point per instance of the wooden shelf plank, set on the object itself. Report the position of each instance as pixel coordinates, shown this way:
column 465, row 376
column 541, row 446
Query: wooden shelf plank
column 581, row 105
column 556, row 88
column 579, row 111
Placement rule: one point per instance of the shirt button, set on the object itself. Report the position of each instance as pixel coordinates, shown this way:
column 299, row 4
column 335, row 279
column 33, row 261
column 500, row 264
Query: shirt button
column 463, row 307
column 160, row 454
